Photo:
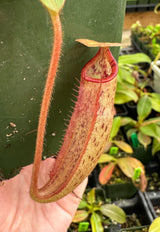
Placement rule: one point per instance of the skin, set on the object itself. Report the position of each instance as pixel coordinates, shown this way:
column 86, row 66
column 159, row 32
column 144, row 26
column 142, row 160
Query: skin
column 18, row 212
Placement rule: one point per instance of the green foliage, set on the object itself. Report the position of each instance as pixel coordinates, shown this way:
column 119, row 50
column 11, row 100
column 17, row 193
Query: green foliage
column 114, row 131
column 114, row 212
column 155, row 100
column 127, row 165
column 151, row 130
column 149, row 35
column 147, row 130
column 115, row 127
column 96, row 223
column 123, row 146
column 105, row 158
column 130, row 88
column 97, row 212
column 155, row 146
column 144, row 107
column 127, row 60
column 53, row 5
column 145, row 140
column 151, row 31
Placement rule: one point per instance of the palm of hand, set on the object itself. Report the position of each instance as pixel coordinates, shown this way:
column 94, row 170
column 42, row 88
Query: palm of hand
column 18, row 212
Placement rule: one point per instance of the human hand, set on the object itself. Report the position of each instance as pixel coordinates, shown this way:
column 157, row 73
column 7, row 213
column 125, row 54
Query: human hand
column 18, row 212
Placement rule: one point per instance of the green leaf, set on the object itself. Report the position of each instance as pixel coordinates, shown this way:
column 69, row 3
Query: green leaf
column 126, row 95
column 114, row 213
column 91, row 198
column 130, row 132
column 115, row 127
column 126, row 75
column 130, row 79
column 145, row 140
column 143, row 84
column 151, row 130
column 122, row 84
column 155, row 146
column 120, row 98
column 53, row 5
column 128, row 164
column 80, row 215
column 134, row 59
column 127, row 120
column 96, row 223
column 83, row 204
column 144, row 107
column 155, row 95
column 125, row 166
column 152, row 120
column 123, row 146
column 105, row 158
column 155, row 226
column 155, row 99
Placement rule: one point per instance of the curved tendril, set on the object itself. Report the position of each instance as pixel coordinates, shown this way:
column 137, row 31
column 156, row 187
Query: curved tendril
column 46, row 99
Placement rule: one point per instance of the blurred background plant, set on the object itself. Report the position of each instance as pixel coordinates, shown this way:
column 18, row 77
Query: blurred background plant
column 147, row 130
column 129, row 166
column 97, row 212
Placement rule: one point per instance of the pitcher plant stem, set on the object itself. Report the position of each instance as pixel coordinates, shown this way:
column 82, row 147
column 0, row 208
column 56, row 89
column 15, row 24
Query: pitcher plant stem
column 56, row 51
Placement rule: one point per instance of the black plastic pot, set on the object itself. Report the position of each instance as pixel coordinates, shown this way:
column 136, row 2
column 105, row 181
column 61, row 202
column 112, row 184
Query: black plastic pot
column 139, row 152
column 99, row 193
column 140, row 5
column 128, row 50
column 157, row 156
column 153, row 196
column 112, row 228
column 153, row 173
column 132, row 109
column 93, row 178
column 121, row 110
column 145, row 156
column 138, row 205
column 135, row 229
column 153, row 200
column 120, row 190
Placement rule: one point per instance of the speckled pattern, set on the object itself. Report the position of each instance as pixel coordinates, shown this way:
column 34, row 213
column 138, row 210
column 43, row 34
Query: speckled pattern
column 88, row 130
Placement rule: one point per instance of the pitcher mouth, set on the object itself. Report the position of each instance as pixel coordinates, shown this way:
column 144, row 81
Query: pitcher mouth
column 101, row 68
